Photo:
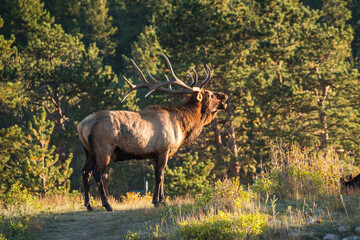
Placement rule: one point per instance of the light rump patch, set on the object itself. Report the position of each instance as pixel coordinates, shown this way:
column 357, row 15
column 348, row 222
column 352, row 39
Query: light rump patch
column 156, row 132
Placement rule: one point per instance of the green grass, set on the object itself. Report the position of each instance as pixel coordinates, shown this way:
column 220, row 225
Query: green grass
column 62, row 216
column 283, row 203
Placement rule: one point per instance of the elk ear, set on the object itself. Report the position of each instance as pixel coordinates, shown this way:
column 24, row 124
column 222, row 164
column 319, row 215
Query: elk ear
column 342, row 180
column 199, row 96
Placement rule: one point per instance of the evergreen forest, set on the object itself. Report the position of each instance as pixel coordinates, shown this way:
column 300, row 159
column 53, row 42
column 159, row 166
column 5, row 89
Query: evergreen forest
column 290, row 68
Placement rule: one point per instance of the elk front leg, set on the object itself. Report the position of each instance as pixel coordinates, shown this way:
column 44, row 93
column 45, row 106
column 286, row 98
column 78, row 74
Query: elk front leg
column 159, row 166
column 101, row 163
column 98, row 175
column 161, row 194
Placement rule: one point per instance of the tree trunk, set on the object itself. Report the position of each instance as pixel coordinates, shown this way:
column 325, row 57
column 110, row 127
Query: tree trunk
column 59, row 126
column 321, row 98
column 324, row 131
column 217, row 135
column 324, row 134
column 234, row 163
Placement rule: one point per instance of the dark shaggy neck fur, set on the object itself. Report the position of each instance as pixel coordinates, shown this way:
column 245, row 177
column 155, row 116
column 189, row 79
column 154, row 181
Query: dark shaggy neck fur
column 190, row 116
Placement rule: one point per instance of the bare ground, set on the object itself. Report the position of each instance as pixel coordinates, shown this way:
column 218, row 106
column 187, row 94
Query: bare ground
column 99, row 224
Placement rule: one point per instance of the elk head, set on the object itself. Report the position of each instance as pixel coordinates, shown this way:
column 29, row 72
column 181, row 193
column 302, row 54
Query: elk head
column 212, row 102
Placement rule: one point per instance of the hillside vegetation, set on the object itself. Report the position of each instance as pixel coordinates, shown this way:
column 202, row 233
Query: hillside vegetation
column 297, row 198
column 289, row 133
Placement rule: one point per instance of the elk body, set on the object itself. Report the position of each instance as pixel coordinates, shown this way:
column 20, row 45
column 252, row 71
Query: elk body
column 155, row 132
column 352, row 182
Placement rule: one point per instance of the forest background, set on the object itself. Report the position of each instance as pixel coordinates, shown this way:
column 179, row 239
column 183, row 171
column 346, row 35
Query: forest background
column 290, row 69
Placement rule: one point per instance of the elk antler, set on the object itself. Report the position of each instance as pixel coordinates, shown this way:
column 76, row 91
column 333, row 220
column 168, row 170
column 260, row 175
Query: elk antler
column 195, row 86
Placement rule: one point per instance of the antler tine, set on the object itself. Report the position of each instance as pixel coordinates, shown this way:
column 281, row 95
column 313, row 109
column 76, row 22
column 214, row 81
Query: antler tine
column 176, row 79
column 192, row 79
column 133, row 87
column 140, row 72
column 193, row 82
column 196, row 76
column 158, row 86
column 152, row 78
column 207, row 79
column 167, row 79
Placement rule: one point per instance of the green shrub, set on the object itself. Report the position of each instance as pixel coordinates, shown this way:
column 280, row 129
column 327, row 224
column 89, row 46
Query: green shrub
column 18, row 199
column 224, row 226
column 189, row 178
column 227, row 195
column 2, row 237
column 265, row 186
column 16, row 229
column 19, row 230
column 298, row 172
column 131, row 236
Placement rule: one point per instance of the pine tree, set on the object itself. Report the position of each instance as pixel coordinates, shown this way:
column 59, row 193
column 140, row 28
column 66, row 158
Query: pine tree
column 8, row 90
column 326, row 74
column 44, row 173
column 98, row 27
column 191, row 177
column 354, row 6
column 28, row 158
column 130, row 18
column 11, row 156
column 89, row 19
column 22, row 16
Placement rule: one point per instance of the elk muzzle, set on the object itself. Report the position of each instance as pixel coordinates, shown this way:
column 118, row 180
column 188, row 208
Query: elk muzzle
column 223, row 97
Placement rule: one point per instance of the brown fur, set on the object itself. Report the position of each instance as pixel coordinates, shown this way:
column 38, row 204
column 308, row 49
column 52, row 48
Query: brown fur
column 352, row 182
column 155, row 132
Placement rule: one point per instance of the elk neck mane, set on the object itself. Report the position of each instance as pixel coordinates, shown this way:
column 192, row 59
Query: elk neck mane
column 188, row 115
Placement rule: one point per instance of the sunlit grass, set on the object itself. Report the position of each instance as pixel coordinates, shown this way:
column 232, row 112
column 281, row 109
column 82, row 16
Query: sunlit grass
column 298, row 196
column 283, row 216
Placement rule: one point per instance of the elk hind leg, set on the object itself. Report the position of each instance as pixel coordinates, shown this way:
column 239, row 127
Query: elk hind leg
column 98, row 175
column 86, row 174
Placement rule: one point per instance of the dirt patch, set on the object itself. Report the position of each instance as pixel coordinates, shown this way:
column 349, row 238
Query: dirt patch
column 99, row 224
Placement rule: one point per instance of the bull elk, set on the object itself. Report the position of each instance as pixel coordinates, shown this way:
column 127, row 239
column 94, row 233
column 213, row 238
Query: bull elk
column 155, row 132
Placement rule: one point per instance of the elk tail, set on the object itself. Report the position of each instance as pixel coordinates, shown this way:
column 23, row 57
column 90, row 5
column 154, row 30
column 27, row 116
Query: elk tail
column 84, row 135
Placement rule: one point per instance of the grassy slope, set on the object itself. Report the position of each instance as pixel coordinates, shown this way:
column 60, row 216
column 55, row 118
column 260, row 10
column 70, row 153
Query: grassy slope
column 310, row 205
column 62, row 217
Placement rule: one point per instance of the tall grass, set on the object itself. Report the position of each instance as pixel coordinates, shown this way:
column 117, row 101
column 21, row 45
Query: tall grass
column 298, row 190
column 295, row 172
column 301, row 187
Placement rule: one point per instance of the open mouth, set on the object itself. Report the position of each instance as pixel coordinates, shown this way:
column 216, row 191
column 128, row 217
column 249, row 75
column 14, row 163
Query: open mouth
column 222, row 106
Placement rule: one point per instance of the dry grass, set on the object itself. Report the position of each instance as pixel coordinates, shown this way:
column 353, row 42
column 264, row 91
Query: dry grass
column 302, row 192
column 299, row 195
column 63, row 217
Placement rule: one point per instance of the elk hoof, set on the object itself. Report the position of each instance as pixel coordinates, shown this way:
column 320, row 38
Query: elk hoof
column 89, row 208
column 108, row 208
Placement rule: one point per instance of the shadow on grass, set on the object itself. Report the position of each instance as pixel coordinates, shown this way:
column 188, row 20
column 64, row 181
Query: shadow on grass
column 100, row 224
